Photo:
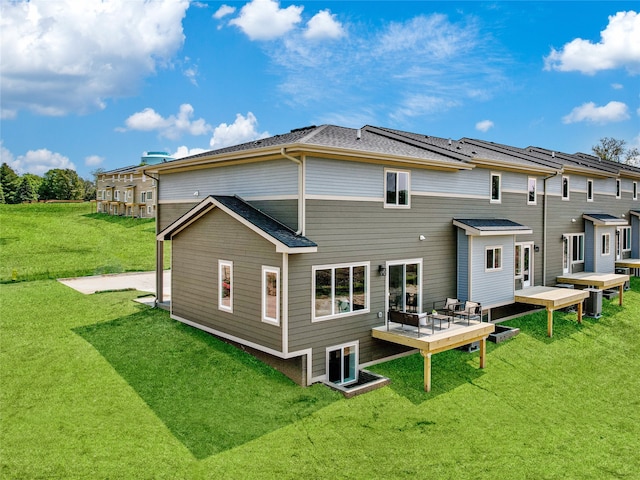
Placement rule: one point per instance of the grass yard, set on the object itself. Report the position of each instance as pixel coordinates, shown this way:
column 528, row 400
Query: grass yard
column 56, row 240
column 98, row 386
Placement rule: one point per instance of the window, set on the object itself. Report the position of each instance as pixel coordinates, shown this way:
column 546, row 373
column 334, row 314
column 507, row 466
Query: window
column 532, row 193
column 271, row 295
column 496, row 191
column 396, row 188
column 493, row 256
column 100, row 194
column 635, row 190
column 225, row 285
column 577, row 248
column 625, row 238
column 143, row 197
column 340, row 290
column 149, row 211
column 149, row 195
column 589, row 190
column 606, row 244
column 342, row 364
column 565, row 188
column 618, row 188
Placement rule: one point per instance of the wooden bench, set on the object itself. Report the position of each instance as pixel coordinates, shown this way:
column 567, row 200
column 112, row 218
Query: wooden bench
column 407, row 318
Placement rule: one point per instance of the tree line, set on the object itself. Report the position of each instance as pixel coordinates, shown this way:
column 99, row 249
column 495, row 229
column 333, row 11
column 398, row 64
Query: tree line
column 56, row 184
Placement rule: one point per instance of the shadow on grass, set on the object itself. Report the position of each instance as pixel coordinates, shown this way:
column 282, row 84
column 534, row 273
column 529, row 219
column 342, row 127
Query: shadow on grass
column 449, row 370
column 126, row 222
column 210, row 395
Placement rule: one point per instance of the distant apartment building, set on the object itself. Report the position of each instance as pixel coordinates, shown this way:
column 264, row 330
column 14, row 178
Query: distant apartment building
column 127, row 191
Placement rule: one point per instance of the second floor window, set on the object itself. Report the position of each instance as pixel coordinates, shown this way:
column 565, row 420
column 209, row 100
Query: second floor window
column 496, row 189
column 396, row 188
column 565, row 188
column 589, row 190
column 618, row 188
column 532, row 191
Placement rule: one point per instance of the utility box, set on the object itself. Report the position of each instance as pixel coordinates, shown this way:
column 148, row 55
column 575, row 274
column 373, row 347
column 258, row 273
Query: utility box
column 593, row 303
column 624, row 271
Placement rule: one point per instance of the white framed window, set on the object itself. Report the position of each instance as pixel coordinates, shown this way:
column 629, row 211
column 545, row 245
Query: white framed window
column 100, row 194
column 397, row 187
column 496, row 188
column 340, row 290
column 635, row 190
column 225, row 285
column 532, row 191
column 618, row 188
column 149, row 210
column 589, row 190
column 493, row 259
column 108, row 194
column 117, row 195
column 149, row 194
column 342, row 363
column 271, row 295
column 143, row 197
column 565, row 188
column 606, row 244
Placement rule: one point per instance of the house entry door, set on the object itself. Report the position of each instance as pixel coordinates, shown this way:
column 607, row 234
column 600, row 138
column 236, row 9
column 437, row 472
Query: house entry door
column 524, row 264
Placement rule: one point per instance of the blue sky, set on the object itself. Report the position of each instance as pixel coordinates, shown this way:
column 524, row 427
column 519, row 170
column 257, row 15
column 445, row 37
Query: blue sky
column 95, row 84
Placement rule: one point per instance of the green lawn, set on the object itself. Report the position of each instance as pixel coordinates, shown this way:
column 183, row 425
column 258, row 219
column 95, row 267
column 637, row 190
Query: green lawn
column 55, row 240
column 98, row 386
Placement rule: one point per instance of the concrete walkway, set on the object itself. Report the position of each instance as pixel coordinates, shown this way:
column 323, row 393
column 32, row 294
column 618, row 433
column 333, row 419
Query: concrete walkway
column 141, row 281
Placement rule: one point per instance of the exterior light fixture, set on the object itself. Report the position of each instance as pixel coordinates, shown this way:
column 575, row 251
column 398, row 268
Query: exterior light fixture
column 196, row 193
column 382, row 270
column 573, row 220
column 422, row 238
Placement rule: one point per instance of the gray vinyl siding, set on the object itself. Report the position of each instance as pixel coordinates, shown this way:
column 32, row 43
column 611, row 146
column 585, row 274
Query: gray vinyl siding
column 170, row 212
column 603, row 263
column 463, row 265
column 635, row 236
column 493, row 287
column 343, row 179
column 464, row 183
column 272, row 178
column 194, row 281
column 589, row 247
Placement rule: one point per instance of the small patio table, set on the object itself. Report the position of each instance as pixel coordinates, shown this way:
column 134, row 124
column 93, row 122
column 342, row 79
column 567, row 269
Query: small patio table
column 440, row 317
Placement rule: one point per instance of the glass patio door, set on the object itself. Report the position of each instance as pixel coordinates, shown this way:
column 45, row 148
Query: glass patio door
column 404, row 286
column 342, row 364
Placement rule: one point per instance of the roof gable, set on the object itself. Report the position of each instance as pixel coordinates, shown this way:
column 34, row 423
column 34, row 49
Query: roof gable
column 284, row 238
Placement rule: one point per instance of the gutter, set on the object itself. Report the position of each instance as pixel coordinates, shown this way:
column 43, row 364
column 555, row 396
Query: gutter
column 301, row 189
column 159, row 247
column 544, row 227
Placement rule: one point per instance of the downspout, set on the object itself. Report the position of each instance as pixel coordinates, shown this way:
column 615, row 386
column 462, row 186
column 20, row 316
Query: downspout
column 301, row 190
column 159, row 248
column 544, row 228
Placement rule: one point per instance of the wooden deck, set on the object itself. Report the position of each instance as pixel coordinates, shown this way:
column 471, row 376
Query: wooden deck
column 443, row 339
column 552, row 298
column 628, row 263
column 597, row 280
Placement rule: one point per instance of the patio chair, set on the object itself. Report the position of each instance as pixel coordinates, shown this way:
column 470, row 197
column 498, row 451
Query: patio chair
column 471, row 311
column 448, row 307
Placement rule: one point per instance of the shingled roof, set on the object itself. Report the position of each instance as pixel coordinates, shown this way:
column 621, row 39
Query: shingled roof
column 284, row 238
column 491, row 226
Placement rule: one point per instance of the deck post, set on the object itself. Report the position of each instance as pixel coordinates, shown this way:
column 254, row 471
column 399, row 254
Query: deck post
column 427, row 370
column 483, row 352
column 580, row 312
column 549, row 322
column 620, row 296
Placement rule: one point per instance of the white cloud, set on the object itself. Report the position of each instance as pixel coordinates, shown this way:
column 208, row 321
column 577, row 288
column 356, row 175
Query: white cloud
column 484, row 125
column 64, row 56
column 265, row 20
column 322, row 26
column 93, row 160
column 589, row 112
column 617, row 86
column 619, row 47
column 172, row 127
column 37, row 162
column 223, row 11
column 184, row 151
column 244, row 129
